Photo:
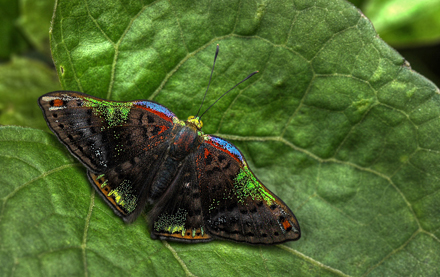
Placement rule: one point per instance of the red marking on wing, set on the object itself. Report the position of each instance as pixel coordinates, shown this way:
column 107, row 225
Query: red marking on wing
column 163, row 128
column 154, row 144
column 161, row 115
column 207, row 153
column 58, row 102
column 286, row 225
column 219, row 147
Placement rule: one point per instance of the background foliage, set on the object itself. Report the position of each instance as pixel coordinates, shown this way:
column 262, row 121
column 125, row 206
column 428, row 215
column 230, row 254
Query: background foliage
column 336, row 123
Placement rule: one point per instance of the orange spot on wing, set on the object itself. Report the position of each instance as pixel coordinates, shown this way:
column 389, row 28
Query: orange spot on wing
column 207, row 153
column 286, row 224
column 163, row 128
column 58, row 102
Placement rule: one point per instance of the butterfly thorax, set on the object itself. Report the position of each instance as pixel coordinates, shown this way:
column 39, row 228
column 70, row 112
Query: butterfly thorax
column 185, row 141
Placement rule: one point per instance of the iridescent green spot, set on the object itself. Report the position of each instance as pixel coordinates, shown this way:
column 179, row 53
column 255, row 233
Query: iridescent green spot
column 100, row 176
column 246, row 185
column 124, row 196
column 119, row 149
column 172, row 223
column 178, row 121
column 194, row 232
column 104, row 184
column 113, row 113
column 214, row 204
column 203, row 232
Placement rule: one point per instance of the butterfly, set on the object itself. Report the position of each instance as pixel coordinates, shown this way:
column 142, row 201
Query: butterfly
column 138, row 153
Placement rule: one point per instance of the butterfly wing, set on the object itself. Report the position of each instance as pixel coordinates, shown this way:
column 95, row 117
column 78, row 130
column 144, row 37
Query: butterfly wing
column 235, row 204
column 120, row 143
column 178, row 214
column 215, row 195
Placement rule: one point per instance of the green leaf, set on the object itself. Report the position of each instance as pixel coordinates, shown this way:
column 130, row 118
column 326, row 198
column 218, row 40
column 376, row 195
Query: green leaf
column 335, row 123
column 403, row 23
column 11, row 40
column 34, row 21
column 22, row 81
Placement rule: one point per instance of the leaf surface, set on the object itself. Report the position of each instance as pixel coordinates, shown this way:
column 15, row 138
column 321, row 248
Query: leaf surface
column 335, row 123
column 22, row 81
column 405, row 23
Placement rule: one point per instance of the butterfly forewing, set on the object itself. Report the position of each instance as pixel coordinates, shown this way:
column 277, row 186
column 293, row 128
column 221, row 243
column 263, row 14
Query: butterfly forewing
column 121, row 143
column 235, row 203
column 103, row 133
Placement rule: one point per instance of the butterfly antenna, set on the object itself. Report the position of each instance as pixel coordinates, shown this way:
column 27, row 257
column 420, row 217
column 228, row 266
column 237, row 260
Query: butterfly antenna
column 250, row 75
column 212, row 71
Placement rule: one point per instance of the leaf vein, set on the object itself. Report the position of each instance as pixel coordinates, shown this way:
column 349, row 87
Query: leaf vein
column 116, row 47
column 180, row 27
column 312, row 261
column 86, row 229
column 179, row 260
column 75, row 76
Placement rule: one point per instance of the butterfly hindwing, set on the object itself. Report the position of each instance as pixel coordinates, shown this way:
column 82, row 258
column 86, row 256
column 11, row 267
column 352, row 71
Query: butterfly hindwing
column 120, row 143
column 236, row 205
column 125, row 187
column 178, row 214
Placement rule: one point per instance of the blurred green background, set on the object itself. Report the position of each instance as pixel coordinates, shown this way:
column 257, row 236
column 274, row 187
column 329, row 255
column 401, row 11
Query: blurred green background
column 26, row 70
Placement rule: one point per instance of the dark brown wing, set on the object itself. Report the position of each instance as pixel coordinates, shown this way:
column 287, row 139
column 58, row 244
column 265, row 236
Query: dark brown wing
column 235, row 204
column 120, row 143
column 178, row 214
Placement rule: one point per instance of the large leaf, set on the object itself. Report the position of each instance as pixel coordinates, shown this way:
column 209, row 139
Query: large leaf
column 336, row 124
column 34, row 21
column 11, row 40
column 403, row 23
column 22, row 81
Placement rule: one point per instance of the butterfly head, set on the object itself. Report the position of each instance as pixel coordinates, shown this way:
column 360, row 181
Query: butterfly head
column 195, row 121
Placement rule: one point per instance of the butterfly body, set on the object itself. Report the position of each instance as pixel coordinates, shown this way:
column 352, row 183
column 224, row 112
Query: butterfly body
column 138, row 152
